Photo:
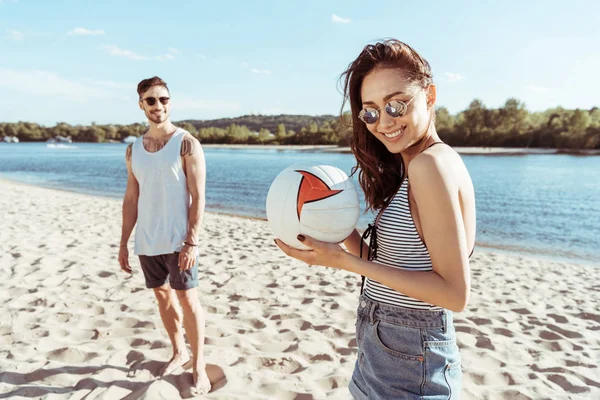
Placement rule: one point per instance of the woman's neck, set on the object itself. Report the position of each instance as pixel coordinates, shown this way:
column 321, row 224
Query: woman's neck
column 430, row 137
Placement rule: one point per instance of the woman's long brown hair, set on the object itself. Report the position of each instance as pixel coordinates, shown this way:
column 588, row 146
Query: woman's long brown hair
column 380, row 172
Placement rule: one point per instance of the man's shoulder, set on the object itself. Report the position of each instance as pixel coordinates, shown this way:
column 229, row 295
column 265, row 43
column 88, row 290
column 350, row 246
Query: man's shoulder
column 189, row 144
column 186, row 134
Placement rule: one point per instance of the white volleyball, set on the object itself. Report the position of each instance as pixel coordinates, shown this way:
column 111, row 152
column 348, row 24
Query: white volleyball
column 319, row 201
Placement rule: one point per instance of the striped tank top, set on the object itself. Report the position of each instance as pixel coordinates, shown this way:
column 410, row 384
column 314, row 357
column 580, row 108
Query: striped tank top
column 398, row 245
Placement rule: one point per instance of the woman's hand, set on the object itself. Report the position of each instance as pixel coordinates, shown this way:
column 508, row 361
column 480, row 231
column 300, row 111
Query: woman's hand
column 320, row 253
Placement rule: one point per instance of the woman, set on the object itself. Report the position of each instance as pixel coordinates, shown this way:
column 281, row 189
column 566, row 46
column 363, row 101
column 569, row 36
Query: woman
column 417, row 263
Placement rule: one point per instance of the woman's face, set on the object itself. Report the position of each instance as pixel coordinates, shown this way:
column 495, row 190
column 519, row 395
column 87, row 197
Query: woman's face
column 384, row 85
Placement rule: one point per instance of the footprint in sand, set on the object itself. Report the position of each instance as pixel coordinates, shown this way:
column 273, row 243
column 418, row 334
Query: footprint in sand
column 329, row 383
column 565, row 333
column 285, row 365
column 547, row 335
column 559, row 318
column 71, row 355
column 567, row 386
column 484, row 342
column 503, row 332
column 321, row 357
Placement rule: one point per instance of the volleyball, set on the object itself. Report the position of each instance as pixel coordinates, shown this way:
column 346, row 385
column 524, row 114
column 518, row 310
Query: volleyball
column 319, row 201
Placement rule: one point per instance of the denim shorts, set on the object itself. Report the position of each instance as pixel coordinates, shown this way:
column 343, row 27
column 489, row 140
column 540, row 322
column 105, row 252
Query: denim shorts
column 405, row 354
column 162, row 269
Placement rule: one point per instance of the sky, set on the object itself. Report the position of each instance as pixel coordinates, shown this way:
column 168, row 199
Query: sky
column 79, row 61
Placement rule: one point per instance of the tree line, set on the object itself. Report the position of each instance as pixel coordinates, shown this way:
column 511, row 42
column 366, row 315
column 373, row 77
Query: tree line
column 511, row 125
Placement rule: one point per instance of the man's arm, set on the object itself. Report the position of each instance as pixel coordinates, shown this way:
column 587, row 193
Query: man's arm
column 130, row 203
column 194, row 166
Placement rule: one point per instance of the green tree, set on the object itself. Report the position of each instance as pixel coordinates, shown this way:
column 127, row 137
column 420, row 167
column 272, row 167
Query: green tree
column 264, row 135
column 473, row 122
column 281, row 132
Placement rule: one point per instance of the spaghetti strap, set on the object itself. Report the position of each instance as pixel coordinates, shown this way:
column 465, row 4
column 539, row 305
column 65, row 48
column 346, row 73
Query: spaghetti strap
column 431, row 145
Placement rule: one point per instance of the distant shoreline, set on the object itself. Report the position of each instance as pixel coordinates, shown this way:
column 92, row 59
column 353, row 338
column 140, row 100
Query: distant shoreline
column 460, row 150
column 490, row 151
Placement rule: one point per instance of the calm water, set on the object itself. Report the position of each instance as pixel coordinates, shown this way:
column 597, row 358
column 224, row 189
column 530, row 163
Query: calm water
column 545, row 204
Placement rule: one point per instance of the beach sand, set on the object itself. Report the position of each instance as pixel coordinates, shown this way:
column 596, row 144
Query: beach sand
column 73, row 326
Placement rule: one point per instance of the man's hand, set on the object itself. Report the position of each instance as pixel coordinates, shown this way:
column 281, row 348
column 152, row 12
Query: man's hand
column 187, row 257
column 124, row 259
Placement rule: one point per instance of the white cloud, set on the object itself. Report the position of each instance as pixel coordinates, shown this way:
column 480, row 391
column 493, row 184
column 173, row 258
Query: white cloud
column 340, row 20
column 46, row 83
column 538, row 89
column 115, row 51
column 15, row 35
column 452, row 77
column 118, row 52
column 170, row 55
column 184, row 102
column 85, row 32
column 165, row 57
column 260, row 71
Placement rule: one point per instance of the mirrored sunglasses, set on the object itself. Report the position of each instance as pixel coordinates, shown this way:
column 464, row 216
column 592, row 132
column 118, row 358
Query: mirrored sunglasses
column 394, row 109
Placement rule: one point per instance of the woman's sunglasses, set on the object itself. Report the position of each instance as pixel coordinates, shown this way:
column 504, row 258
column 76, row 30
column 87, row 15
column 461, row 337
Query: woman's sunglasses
column 152, row 100
column 394, row 108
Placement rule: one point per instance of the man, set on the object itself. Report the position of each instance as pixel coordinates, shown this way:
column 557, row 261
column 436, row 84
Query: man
column 165, row 196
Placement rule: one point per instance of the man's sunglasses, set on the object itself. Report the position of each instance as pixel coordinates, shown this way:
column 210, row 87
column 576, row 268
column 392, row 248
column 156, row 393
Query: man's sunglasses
column 394, row 108
column 152, row 100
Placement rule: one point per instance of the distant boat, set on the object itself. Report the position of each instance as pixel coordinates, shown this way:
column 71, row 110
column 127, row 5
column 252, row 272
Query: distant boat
column 59, row 146
column 11, row 139
column 60, row 139
column 129, row 139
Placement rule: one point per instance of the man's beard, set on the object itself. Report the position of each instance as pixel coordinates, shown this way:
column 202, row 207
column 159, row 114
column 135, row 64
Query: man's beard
column 157, row 118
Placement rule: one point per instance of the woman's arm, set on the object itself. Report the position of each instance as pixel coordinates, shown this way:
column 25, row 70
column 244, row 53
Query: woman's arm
column 353, row 243
column 436, row 192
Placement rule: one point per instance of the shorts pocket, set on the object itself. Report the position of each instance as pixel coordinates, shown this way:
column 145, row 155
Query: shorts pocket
column 392, row 360
column 443, row 363
column 453, row 377
column 399, row 341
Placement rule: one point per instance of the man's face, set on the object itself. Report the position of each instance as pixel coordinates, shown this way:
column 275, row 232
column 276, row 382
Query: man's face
column 156, row 104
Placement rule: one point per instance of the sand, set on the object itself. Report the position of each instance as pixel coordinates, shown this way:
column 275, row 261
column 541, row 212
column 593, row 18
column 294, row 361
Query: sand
column 73, row 326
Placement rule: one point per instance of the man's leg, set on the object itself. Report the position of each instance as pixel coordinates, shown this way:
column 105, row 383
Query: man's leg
column 193, row 321
column 171, row 318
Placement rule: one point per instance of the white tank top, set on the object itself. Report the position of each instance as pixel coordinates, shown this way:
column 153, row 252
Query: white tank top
column 164, row 199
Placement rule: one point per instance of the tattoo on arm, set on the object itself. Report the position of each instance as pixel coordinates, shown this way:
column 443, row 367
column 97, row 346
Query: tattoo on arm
column 128, row 152
column 188, row 147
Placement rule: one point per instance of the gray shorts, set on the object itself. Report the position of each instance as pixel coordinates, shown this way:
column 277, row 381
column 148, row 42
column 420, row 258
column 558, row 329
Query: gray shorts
column 164, row 268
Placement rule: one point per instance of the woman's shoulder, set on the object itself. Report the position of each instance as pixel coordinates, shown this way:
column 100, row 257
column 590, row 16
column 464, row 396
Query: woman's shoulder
column 437, row 163
column 433, row 159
